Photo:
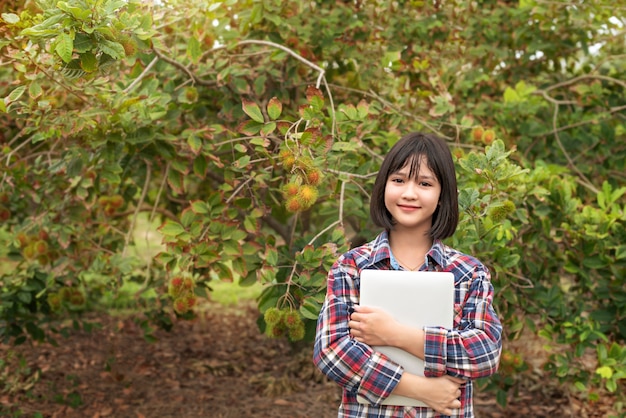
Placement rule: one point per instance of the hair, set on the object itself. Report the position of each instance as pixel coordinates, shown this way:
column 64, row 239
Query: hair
column 407, row 151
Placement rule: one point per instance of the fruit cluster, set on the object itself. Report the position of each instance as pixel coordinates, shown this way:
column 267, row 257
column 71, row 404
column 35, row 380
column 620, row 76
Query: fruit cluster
column 110, row 204
column 480, row 134
column 71, row 298
column 500, row 212
column 36, row 247
column 181, row 289
column 301, row 191
column 284, row 322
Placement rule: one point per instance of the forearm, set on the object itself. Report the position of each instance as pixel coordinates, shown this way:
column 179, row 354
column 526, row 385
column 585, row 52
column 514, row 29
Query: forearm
column 410, row 340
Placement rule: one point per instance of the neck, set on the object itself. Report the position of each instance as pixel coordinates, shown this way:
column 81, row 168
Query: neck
column 409, row 248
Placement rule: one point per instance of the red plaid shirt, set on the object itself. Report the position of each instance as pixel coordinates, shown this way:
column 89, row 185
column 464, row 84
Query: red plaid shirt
column 470, row 350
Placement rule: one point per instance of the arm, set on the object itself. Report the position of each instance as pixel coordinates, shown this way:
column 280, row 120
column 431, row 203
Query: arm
column 352, row 364
column 470, row 350
column 370, row 374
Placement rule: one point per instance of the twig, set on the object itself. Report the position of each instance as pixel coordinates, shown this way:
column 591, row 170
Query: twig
column 585, row 181
column 142, row 75
column 131, row 228
column 323, row 231
column 175, row 64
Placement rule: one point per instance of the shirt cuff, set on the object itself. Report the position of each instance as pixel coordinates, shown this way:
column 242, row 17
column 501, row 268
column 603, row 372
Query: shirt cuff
column 380, row 378
column 435, row 353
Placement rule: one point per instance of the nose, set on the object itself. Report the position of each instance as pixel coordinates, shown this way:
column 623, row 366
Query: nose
column 410, row 190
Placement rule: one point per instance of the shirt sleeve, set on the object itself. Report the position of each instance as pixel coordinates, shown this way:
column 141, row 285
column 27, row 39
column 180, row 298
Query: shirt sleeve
column 472, row 349
column 353, row 365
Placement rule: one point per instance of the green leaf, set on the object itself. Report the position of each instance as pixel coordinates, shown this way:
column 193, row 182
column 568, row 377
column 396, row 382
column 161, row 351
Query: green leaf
column 88, row 62
column 253, row 110
column 605, row 372
column 113, row 49
column 200, row 207
column 250, row 127
column 310, row 308
column 171, row 228
column 34, row 90
column 64, row 47
column 510, row 96
column 195, row 143
column 10, row 18
column 16, row 93
column 274, row 108
column 268, row 128
column 193, row 50
column 83, row 43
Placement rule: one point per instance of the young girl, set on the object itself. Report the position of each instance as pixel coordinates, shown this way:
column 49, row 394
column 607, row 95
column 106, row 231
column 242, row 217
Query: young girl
column 415, row 201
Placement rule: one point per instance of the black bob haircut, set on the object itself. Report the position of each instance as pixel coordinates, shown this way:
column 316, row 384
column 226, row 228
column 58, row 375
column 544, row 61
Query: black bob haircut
column 408, row 150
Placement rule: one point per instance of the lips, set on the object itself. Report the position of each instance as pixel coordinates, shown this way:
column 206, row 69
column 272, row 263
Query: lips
column 408, row 208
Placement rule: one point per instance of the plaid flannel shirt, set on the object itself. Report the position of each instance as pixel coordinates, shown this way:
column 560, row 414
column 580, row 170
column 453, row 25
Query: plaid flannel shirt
column 470, row 350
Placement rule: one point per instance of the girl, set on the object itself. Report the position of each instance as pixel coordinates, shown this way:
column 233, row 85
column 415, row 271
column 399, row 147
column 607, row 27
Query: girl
column 415, row 201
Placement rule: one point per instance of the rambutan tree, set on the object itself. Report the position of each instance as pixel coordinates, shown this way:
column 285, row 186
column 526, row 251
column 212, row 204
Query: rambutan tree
column 251, row 131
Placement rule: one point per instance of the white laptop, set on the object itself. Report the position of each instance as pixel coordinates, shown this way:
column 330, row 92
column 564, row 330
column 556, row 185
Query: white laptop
column 415, row 298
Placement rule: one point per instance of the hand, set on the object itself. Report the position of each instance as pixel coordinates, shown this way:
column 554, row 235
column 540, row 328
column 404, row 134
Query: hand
column 442, row 394
column 373, row 326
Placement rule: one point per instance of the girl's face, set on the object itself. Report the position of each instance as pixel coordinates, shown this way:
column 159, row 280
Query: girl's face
column 412, row 201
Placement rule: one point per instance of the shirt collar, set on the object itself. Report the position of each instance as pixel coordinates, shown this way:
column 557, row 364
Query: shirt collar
column 382, row 251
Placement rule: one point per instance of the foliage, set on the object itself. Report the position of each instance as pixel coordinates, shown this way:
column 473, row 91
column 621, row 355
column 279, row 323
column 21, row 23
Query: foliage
column 252, row 131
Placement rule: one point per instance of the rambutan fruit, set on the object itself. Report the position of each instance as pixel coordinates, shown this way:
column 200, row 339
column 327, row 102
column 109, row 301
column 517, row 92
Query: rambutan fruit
column 188, row 283
column 488, row 137
column 477, row 133
column 41, row 247
column 290, row 189
column 297, row 332
column 116, row 201
column 181, row 306
column 293, row 204
column 175, row 286
column 23, row 239
column 314, row 177
column 307, row 195
column 272, row 316
column 292, row 319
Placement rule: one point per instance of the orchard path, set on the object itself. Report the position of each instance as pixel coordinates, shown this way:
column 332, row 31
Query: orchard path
column 215, row 366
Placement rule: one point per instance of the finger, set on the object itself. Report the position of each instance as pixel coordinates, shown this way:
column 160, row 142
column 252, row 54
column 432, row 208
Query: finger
column 456, row 380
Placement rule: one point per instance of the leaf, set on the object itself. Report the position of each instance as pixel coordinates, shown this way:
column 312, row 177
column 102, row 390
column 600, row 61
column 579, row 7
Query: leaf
column 268, row 128
column 88, row 62
column 114, row 49
column 510, row 96
column 199, row 207
column 83, row 43
column 249, row 127
column 310, row 308
column 64, row 47
column 193, row 50
column 195, row 143
column 10, row 18
column 171, row 228
column 605, row 372
column 311, row 92
column 16, row 93
column 34, row 90
column 253, row 110
column 274, row 108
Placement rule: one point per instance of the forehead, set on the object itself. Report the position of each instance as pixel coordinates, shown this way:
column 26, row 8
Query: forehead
column 414, row 166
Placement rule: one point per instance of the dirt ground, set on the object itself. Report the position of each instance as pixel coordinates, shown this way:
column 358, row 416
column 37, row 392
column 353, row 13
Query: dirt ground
column 217, row 365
